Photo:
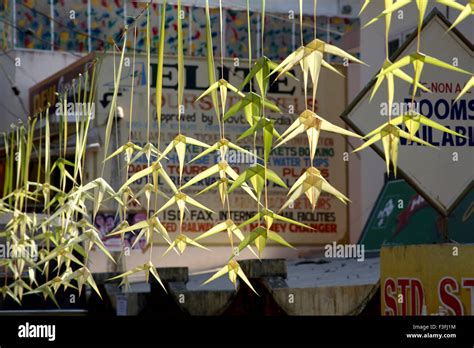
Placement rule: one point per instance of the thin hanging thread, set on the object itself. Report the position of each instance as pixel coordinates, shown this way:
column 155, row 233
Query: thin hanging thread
column 133, row 83
column 313, row 102
column 222, row 59
column 301, row 22
column 179, row 70
column 148, row 74
column 263, row 100
column 249, row 30
column 314, row 14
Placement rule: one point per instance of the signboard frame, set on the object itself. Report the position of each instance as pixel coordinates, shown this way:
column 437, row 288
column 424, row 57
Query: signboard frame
column 69, row 73
column 444, row 211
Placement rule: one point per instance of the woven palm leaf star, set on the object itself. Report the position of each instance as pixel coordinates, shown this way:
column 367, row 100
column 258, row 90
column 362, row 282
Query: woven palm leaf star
column 6, row 291
column 148, row 150
column 269, row 131
column 128, row 148
column 21, row 193
column 61, row 164
column 46, row 189
column 47, row 289
column 99, row 187
column 413, row 122
column 391, row 83
column 224, row 170
column 269, row 217
column 62, row 254
column 260, row 71
column 146, row 228
column 69, row 205
column 223, row 86
column 234, row 271
column 179, row 144
column 310, row 58
column 128, row 197
column 223, row 146
column 156, row 170
column 253, row 102
column 256, row 176
column 91, row 236
column 313, row 124
column 259, row 236
column 466, row 10
column 418, row 60
column 390, row 136
column 312, row 183
column 147, row 268
column 148, row 190
column 82, row 276
column 181, row 242
column 229, row 226
column 221, row 184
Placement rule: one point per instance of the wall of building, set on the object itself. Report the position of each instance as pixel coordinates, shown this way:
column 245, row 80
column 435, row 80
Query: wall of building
column 26, row 68
column 372, row 48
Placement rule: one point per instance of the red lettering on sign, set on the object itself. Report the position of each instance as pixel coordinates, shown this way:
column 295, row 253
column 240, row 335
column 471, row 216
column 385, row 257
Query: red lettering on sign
column 403, row 285
column 468, row 283
column 410, row 305
column 390, row 289
column 447, row 289
column 417, row 296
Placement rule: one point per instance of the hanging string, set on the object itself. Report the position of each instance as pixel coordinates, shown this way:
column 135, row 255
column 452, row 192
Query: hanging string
column 314, row 14
column 301, row 22
column 133, row 84
column 148, row 73
column 221, row 25
column 222, row 38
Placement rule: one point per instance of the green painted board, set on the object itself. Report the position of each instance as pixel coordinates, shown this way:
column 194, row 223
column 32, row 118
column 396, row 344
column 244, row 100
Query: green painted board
column 402, row 217
column 461, row 221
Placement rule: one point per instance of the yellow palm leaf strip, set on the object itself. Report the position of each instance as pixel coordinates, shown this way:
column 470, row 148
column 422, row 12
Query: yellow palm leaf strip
column 180, row 66
column 133, row 85
column 301, row 22
column 314, row 14
column 210, row 66
column 110, row 117
column 148, row 74
column 159, row 70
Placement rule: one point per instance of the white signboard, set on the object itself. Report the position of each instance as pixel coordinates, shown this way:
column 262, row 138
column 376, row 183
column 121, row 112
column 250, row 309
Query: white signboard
column 442, row 176
column 329, row 220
